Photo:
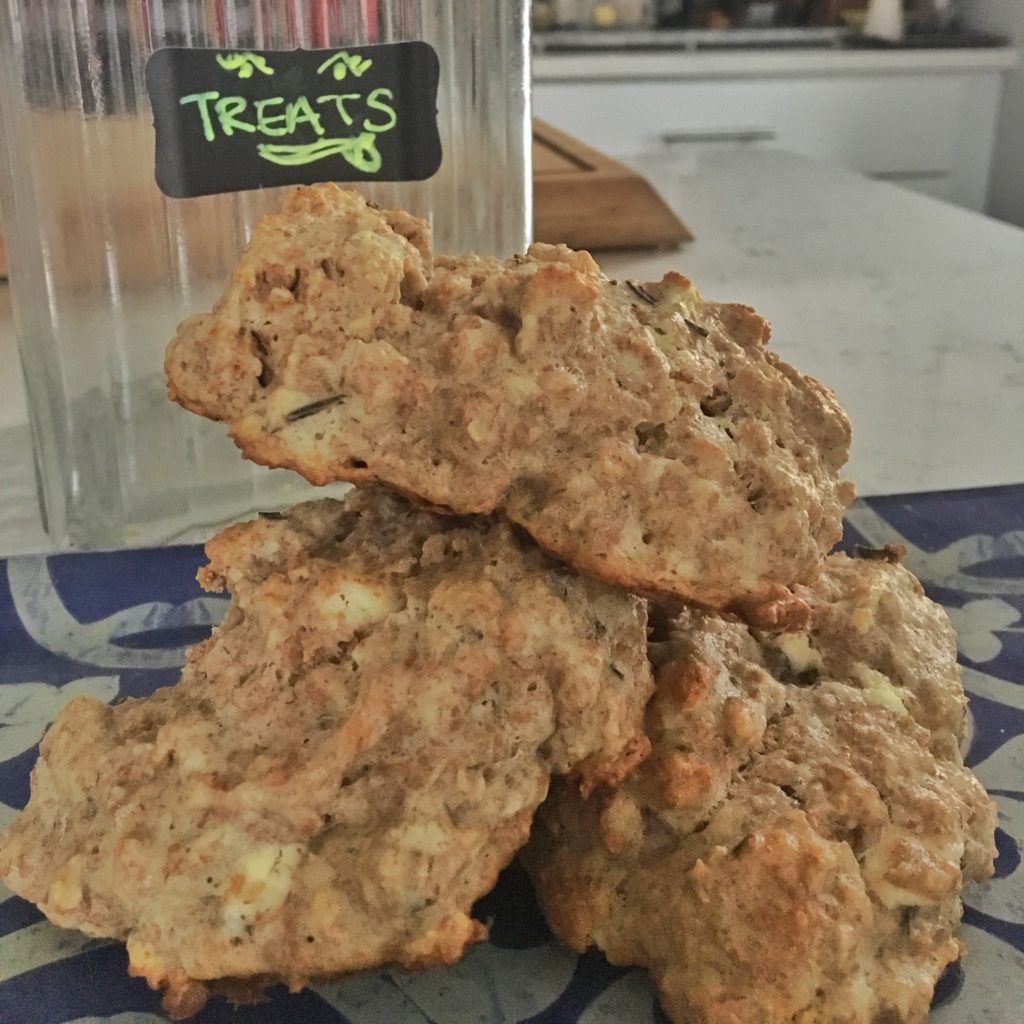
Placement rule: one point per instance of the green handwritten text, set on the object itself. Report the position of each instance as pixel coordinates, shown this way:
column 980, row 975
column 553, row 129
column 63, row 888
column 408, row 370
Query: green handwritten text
column 339, row 100
column 344, row 63
column 376, row 101
column 361, row 116
column 244, row 63
column 226, row 113
column 275, row 117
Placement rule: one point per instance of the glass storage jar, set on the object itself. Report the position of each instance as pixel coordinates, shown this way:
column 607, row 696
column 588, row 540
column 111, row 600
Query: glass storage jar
column 104, row 266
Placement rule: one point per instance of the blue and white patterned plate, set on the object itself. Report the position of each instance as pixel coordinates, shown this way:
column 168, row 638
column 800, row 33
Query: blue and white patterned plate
column 118, row 624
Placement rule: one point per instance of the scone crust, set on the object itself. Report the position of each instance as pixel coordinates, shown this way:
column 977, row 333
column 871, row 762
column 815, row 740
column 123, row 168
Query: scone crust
column 638, row 432
column 346, row 764
column 794, row 848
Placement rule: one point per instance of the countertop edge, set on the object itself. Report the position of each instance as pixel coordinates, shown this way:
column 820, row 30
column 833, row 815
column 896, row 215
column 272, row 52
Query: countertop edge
column 633, row 65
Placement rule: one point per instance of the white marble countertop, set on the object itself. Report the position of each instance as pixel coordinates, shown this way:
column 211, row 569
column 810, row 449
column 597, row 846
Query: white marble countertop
column 909, row 308
column 753, row 63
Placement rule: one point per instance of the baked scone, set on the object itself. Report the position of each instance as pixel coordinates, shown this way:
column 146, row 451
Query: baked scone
column 641, row 434
column 793, row 850
column 346, row 764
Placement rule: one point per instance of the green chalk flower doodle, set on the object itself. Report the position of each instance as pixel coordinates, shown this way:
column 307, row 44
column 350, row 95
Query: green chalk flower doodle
column 343, row 63
column 244, row 63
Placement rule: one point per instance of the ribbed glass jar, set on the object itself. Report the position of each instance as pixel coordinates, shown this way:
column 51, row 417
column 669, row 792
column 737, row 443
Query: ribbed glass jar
column 103, row 266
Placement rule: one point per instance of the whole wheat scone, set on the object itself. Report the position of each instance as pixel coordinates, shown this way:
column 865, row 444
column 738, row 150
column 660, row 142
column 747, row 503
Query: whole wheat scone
column 346, row 764
column 641, row 434
column 793, row 850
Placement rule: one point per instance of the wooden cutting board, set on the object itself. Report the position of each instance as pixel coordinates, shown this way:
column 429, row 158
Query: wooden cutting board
column 590, row 201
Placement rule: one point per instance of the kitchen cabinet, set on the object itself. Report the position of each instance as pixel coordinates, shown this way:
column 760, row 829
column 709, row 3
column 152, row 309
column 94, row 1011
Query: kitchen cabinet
column 926, row 120
column 1006, row 189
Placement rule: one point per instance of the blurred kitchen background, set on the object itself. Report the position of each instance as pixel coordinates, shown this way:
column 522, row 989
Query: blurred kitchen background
column 695, row 116
column 928, row 94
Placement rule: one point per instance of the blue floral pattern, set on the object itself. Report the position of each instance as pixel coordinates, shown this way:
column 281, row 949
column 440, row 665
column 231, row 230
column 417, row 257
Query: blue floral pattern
column 118, row 624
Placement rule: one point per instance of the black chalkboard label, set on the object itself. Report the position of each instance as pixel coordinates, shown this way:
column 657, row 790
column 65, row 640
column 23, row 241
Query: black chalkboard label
column 228, row 120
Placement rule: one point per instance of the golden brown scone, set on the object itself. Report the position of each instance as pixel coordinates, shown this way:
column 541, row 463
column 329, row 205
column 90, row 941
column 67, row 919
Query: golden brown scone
column 793, row 850
column 638, row 432
column 346, row 764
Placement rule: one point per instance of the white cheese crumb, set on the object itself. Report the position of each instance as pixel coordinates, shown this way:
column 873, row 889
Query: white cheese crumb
column 878, row 689
column 895, row 845
column 65, row 891
column 427, row 838
column 799, row 652
column 259, row 884
column 358, row 604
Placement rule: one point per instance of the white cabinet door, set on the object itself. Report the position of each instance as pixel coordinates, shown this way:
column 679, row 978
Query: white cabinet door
column 935, row 128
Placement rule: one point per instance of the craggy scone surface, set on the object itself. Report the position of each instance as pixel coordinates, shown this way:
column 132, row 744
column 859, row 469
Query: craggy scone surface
column 638, row 432
column 346, row 764
column 793, row 850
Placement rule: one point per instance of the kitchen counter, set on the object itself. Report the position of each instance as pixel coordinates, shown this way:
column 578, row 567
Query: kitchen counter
column 904, row 305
